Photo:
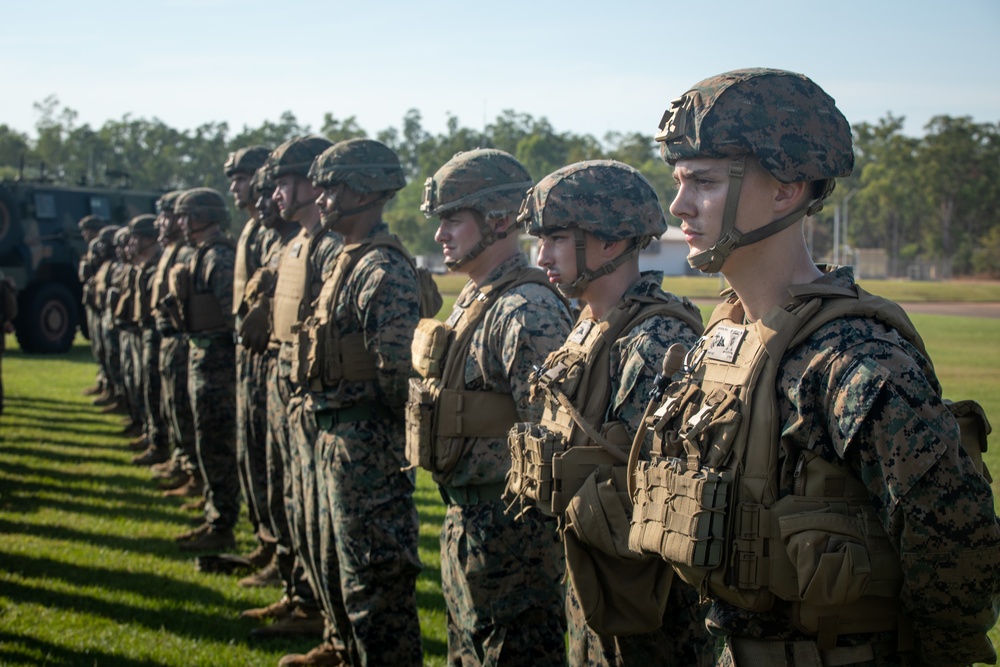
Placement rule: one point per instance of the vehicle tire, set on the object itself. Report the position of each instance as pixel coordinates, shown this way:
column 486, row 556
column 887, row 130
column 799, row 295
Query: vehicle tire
column 47, row 321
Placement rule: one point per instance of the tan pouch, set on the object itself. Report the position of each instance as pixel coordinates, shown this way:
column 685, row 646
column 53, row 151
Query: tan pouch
column 974, row 427
column 532, row 448
column 419, row 424
column 430, row 342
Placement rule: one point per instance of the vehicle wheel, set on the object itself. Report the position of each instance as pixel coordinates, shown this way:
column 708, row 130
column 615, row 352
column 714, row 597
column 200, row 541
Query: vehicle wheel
column 46, row 323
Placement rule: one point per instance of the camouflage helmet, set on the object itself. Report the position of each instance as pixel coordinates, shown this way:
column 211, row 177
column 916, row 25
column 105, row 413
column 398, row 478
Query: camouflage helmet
column 364, row 165
column 165, row 204
column 246, row 160
column 609, row 199
column 92, row 223
column 121, row 236
column 486, row 180
column 783, row 119
column 295, row 156
column 489, row 182
column 786, row 121
column 107, row 235
column 143, row 225
column 203, row 205
column 262, row 181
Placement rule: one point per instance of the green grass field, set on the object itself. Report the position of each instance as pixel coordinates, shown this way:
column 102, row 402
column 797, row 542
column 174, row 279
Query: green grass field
column 89, row 573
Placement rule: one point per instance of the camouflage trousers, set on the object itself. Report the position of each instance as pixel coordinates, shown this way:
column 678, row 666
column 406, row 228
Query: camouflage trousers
column 112, row 354
column 155, row 422
column 175, row 401
column 283, row 503
column 251, row 437
column 368, row 528
column 502, row 582
column 212, row 388
column 132, row 377
column 96, row 344
column 682, row 640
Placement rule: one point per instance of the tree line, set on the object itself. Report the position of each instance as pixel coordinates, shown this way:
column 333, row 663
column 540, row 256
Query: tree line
column 932, row 197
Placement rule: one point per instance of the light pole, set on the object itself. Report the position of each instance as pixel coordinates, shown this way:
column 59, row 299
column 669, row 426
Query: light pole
column 843, row 226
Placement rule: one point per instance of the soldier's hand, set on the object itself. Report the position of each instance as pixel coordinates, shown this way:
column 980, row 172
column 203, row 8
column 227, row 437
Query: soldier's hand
column 255, row 329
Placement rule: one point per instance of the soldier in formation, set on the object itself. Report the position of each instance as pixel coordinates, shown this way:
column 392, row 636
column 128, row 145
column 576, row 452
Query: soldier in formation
column 592, row 219
column 818, row 492
column 796, row 464
column 501, row 574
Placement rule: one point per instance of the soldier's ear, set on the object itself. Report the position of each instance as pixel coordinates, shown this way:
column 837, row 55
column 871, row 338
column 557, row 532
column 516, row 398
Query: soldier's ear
column 504, row 224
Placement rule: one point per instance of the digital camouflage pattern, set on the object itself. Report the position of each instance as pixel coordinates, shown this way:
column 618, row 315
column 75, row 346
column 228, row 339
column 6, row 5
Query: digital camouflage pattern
column 782, row 118
column 635, row 359
column 501, row 575
column 175, row 402
column 609, row 199
column 204, row 205
column 251, row 387
column 364, row 165
column 246, row 160
column 366, row 518
column 212, row 378
column 486, row 180
column 157, row 430
column 859, row 394
column 296, row 458
column 295, row 156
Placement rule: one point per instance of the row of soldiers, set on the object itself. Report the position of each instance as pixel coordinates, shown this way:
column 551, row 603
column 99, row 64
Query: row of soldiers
column 604, row 475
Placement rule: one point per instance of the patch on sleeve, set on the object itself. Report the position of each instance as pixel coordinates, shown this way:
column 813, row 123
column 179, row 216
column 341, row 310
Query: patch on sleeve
column 882, row 426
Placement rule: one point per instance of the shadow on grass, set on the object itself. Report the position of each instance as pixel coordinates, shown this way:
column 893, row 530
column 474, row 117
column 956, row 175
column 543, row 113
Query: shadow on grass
column 162, row 547
column 17, row 650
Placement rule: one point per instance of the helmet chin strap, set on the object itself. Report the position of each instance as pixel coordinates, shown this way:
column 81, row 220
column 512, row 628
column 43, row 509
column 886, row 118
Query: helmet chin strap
column 585, row 276
column 711, row 260
column 330, row 219
column 489, row 237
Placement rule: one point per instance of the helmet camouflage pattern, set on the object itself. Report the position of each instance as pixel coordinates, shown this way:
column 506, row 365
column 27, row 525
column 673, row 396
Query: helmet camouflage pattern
column 121, row 236
column 782, row 119
column 786, row 121
column 262, row 181
column 203, row 205
column 92, row 223
column 609, row 199
column 166, row 202
column 107, row 235
column 295, row 156
column 486, row 180
column 246, row 160
column 143, row 225
column 363, row 165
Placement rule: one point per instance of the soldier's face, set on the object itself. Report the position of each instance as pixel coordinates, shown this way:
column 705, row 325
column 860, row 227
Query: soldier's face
column 458, row 233
column 239, row 187
column 702, row 186
column 557, row 256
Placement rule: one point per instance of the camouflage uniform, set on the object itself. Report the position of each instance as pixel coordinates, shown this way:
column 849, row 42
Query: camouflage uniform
column 367, row 520
column 110, row 330
column 88, row 266
column 606, row 370
column 681, row 639
column 289, row 494
column 251, row 367
column 155, row 425
column 502, row 576
column 211, row 356
column 8, row 310
column 858, row 423
column 175, row 402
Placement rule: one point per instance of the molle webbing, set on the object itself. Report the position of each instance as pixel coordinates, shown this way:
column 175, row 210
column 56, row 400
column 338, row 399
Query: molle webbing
column 292, row 293
column 203, row 312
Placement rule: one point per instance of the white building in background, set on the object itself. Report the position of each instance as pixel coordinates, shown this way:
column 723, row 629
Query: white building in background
column 667, row 254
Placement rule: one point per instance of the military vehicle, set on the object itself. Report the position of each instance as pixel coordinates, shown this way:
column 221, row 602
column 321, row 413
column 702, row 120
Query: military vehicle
column 40, row 247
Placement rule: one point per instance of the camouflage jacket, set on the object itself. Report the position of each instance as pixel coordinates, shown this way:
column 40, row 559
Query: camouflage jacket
column 517, row 334
column 380, row 299
column 858, row 393
column 211, row 265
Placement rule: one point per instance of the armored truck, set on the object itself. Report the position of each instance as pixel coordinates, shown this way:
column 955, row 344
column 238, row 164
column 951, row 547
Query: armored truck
column 41, row 246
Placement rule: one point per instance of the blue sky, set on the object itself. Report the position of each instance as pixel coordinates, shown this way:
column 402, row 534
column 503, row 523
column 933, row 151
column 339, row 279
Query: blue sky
column 589, row 67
